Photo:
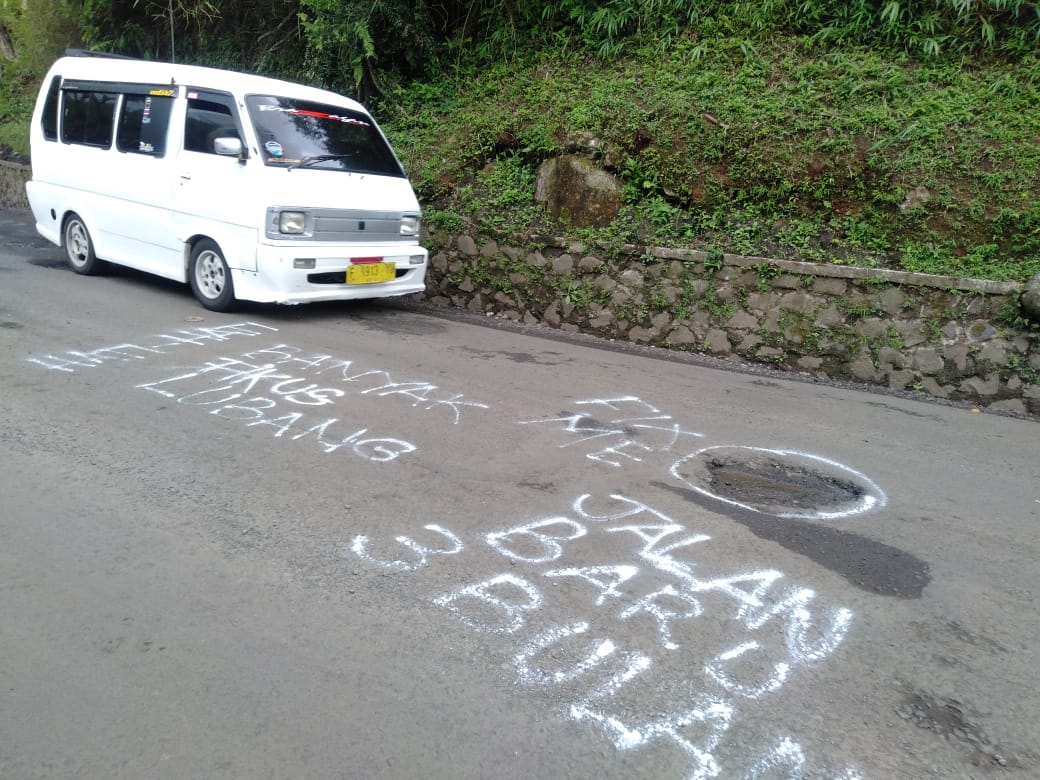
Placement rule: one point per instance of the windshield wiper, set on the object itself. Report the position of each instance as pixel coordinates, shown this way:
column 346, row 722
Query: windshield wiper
column 317, row 158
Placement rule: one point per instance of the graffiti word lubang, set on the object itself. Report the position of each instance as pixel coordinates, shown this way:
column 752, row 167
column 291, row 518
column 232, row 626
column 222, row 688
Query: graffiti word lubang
column 754, row 633
column 260, row 395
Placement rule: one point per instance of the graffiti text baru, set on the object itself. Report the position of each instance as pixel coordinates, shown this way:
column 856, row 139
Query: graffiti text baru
column 275, row 388
column 650, row 647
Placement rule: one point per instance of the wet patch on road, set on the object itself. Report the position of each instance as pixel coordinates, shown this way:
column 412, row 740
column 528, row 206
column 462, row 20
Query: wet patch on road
column 534, row 484
column 953, row 633
column 908, row 412
column 948, row 720
column 49, row 262
column 541, row 359
column 382, row 315
column 393, row 322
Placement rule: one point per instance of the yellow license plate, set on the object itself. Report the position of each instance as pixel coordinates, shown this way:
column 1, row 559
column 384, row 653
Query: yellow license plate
column 370, row 273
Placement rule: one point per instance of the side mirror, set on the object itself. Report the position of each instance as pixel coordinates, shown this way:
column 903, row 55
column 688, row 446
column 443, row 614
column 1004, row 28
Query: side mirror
column 228, row 147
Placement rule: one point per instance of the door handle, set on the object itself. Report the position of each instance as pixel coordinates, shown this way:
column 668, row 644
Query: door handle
column 186, row 176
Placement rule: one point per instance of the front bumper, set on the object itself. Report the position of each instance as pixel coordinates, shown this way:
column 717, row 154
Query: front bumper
column 279, row 280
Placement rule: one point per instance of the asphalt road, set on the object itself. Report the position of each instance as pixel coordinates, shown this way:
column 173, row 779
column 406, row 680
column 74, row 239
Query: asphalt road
column 374, row 540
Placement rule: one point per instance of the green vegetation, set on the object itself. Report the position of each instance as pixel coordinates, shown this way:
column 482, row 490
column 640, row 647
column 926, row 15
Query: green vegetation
column 880, row 133
column 788, row 153
column 1025, row 371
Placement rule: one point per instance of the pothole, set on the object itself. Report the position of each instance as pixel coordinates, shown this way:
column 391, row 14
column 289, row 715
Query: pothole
column 782, row 483
column 772, row 484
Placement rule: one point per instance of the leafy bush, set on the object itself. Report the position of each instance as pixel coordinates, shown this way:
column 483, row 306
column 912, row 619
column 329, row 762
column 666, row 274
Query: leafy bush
column 35, row 33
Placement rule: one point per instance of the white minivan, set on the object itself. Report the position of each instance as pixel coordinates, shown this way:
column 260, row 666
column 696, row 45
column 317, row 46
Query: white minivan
column 245, row 187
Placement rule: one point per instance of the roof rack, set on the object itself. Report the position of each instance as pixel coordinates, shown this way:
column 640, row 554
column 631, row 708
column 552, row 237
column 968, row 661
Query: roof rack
column 88, row 53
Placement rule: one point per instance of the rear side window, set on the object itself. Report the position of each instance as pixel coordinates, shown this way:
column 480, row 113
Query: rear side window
column 88, row 118
column 143, row 124
column 205, row 121
column 49, row 119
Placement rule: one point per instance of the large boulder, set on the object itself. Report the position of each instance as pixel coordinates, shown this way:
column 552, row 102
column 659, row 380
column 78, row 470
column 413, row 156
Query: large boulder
column 577, row 192
column 1031, row 298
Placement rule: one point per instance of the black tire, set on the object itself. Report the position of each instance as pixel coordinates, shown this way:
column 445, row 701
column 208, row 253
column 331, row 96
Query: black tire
column 210, row 277
column 79, row 248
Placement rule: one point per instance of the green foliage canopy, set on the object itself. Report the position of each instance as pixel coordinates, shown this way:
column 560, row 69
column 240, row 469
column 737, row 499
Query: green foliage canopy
column 356, row 43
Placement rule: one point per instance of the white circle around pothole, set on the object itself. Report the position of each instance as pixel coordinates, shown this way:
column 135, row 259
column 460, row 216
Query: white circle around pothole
column 786, row 484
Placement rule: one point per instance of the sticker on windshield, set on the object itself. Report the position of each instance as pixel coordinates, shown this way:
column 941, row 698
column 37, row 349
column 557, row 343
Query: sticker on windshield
column 316, row 114
column 273, row 148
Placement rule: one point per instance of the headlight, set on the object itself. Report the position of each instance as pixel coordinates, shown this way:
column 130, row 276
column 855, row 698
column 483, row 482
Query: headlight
column 293, row 222
column 409, row 225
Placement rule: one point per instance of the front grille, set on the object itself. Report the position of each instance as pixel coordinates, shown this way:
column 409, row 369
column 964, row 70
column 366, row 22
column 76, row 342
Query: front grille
column 340, row 277
column 343, row 226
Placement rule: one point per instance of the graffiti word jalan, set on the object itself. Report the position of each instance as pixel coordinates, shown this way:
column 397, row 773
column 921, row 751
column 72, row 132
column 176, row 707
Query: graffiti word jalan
column 72, row 360
column 651, row 691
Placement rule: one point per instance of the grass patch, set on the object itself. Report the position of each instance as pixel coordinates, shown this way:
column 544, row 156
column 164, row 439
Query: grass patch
column 857, row 157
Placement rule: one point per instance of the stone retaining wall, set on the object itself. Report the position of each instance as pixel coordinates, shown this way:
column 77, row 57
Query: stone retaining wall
column 961, row 339
column 12, row 185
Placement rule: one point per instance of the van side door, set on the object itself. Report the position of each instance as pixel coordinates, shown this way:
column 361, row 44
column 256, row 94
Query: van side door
column 142, row 233
column 215, row 192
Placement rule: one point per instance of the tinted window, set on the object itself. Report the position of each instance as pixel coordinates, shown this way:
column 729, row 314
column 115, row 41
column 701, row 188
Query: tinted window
column 322, row 137
column 143, row 123
column 206, row 121
column 88, row 118
column 49, row 120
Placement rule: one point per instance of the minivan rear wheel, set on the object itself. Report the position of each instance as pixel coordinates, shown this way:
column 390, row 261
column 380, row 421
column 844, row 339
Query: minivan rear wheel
column 210, row 277
column 79, row 249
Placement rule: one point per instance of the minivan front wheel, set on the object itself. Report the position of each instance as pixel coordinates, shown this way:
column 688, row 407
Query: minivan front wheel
column 210, row 277
column 79, row 249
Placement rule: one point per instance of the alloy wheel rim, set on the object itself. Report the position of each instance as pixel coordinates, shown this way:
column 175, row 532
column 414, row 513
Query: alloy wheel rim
column 209, row 273
column 76, row 239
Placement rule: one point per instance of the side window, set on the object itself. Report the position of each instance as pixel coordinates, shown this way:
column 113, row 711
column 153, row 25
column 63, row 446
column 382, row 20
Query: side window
column 143, row 124
column 49, row 119
column 88, row 118
column 205, row 121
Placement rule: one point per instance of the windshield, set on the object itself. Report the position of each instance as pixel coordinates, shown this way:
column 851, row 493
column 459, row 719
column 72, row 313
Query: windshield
column 301, row 134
